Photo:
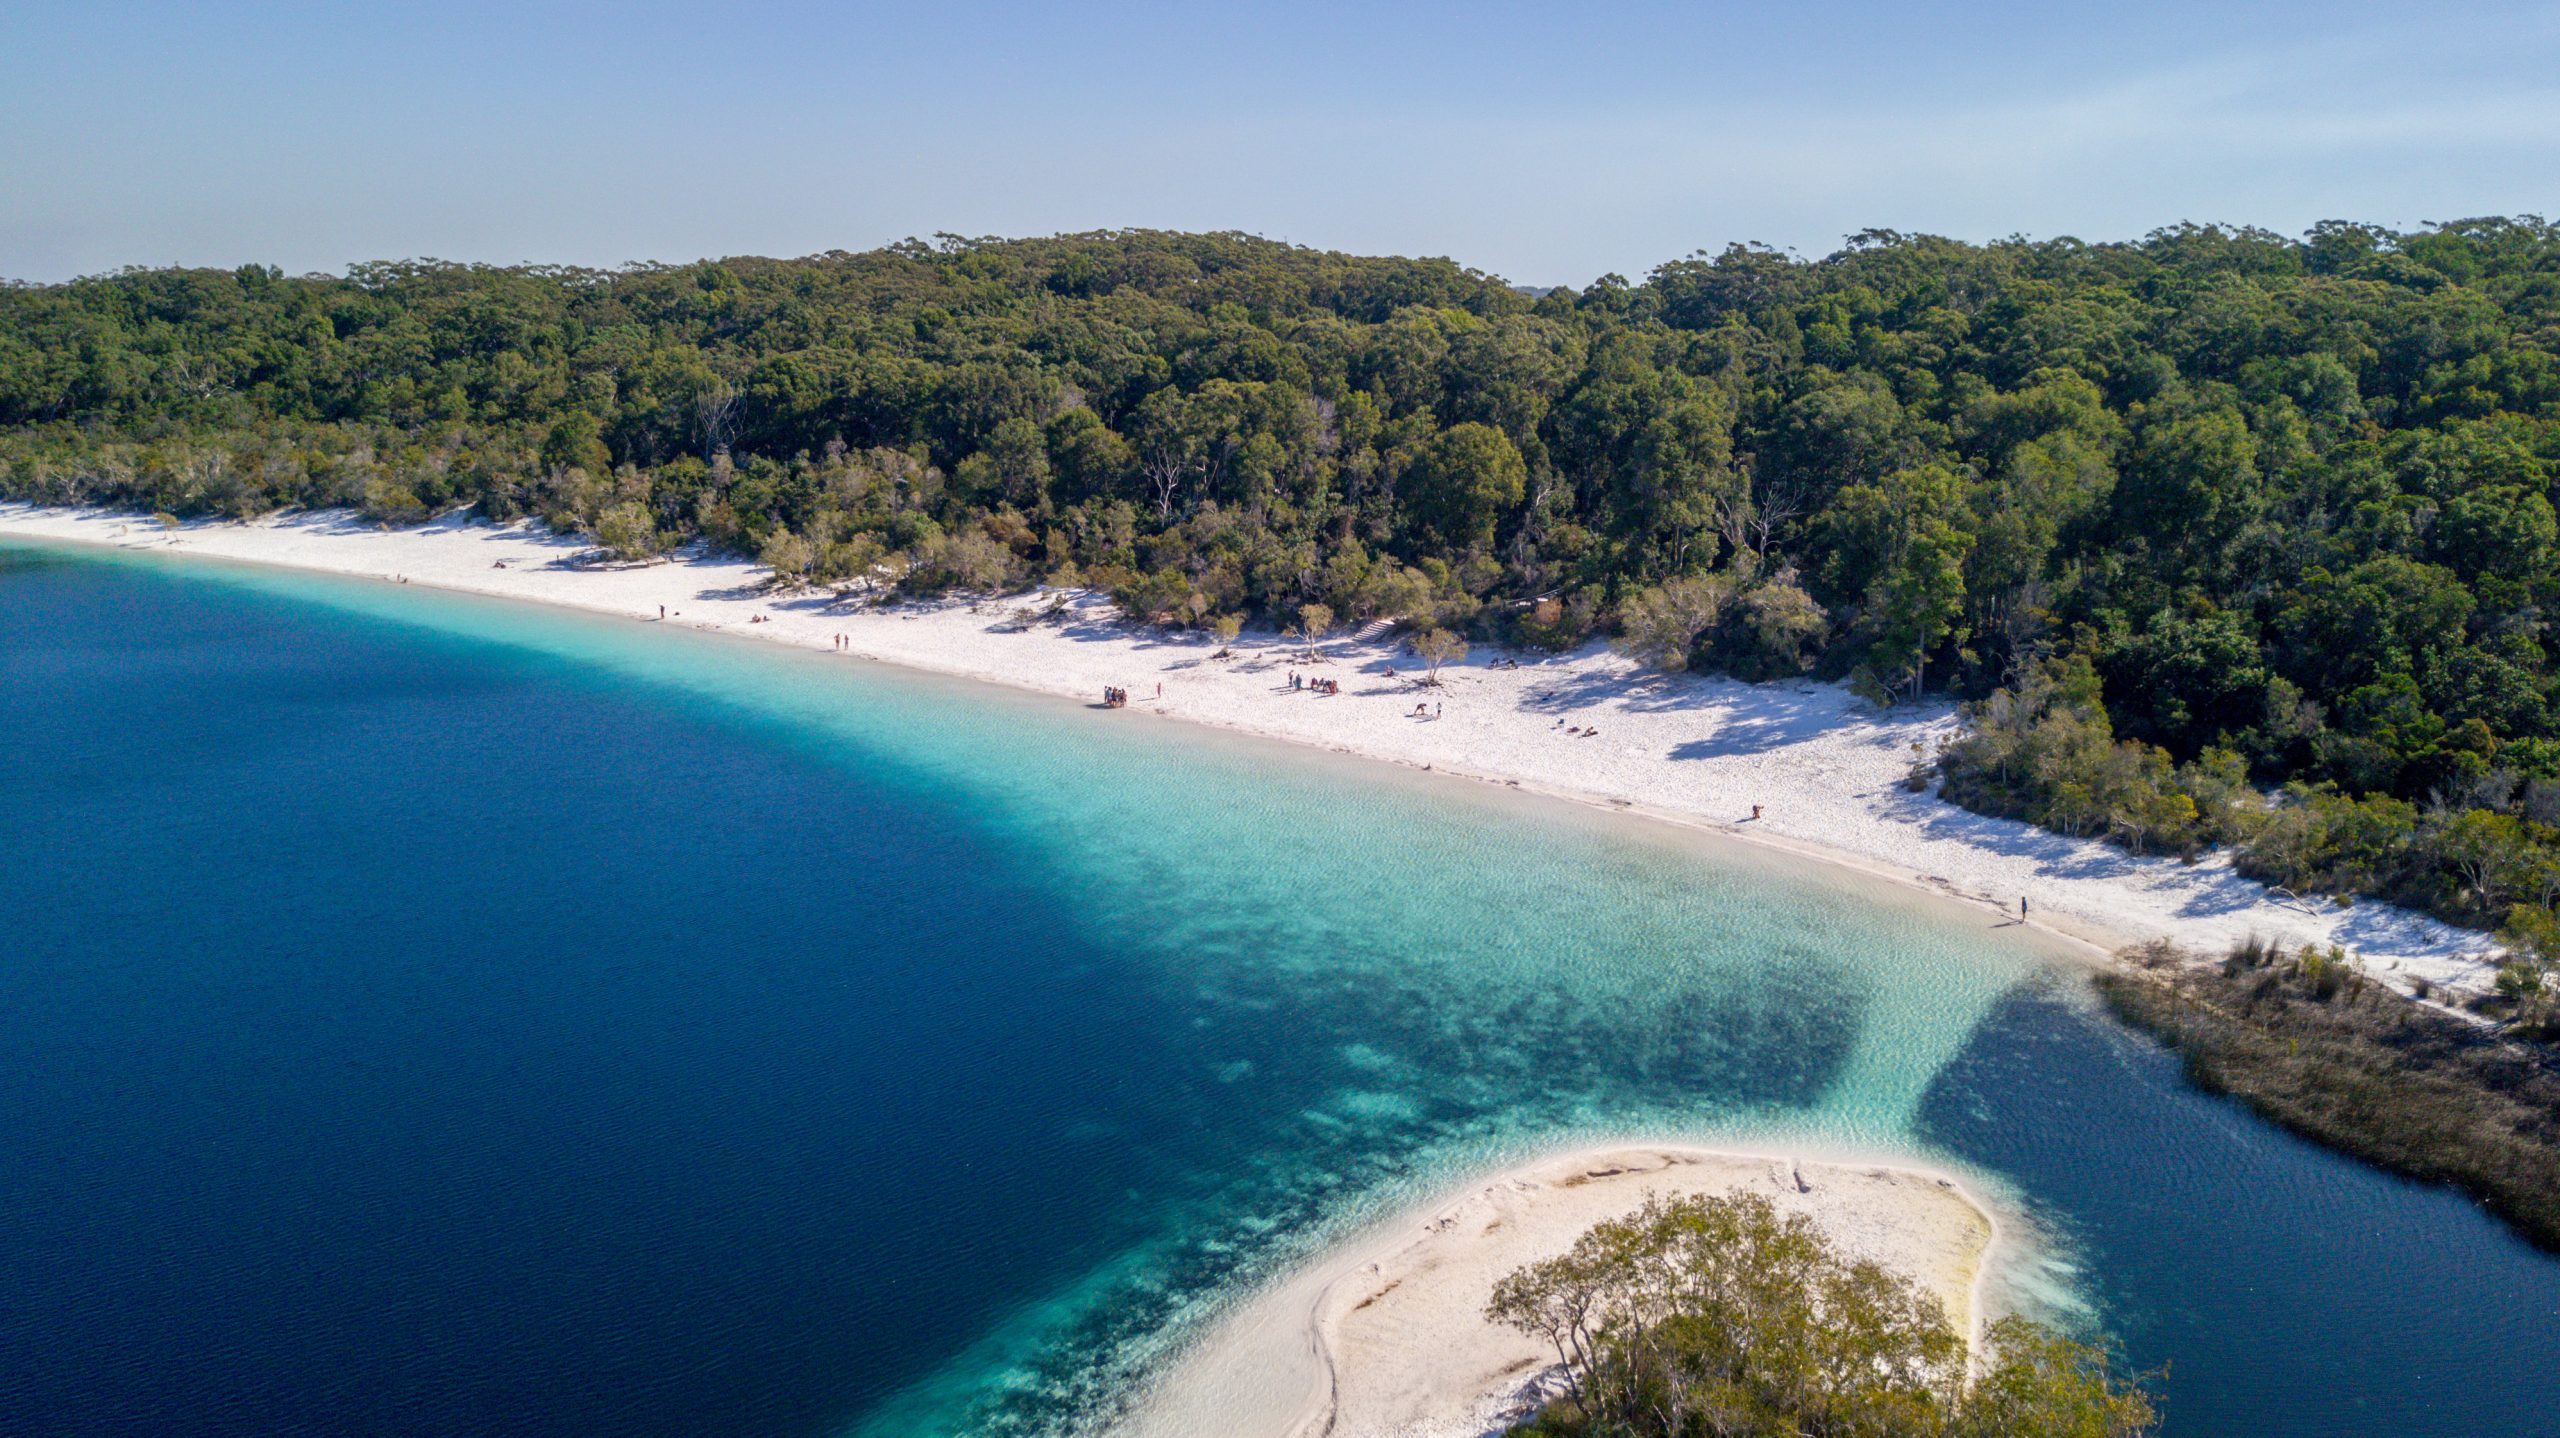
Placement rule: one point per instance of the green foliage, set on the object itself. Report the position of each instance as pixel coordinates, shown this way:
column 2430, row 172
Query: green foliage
column 1661, row 624
column 2287, row 507
column 1315, row 621
column 788, row 556
column 2039, row 1384
column 974, row 561
column 627, row 532
column 1776, row 632
column 1462, row 484
column 1717, row 1316
column 1436, row 647
column 2047, row 751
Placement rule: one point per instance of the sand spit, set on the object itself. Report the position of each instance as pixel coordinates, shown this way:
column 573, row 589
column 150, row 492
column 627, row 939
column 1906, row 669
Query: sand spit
column 1824, row 768
column 1385, row 1337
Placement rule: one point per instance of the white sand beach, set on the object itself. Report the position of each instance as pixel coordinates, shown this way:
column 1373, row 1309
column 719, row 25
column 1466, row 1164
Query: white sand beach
column 1825, row 768
column 1385, row 1338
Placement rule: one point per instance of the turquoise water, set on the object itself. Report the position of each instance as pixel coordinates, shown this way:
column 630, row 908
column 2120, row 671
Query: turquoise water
column 438, row 1015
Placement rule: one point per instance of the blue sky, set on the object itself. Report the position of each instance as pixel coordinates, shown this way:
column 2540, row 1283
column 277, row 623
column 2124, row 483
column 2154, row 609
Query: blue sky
column 1546, row 144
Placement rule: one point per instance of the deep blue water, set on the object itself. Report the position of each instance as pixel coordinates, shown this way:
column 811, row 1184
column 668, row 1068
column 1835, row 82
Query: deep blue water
column 422, row 1016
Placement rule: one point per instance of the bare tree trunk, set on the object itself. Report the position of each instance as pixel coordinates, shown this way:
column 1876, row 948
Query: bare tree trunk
column 1166, row 477
column 715, row 413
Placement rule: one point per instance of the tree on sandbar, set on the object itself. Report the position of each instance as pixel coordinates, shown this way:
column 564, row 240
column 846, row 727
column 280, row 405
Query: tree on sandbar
column 1715, row 1317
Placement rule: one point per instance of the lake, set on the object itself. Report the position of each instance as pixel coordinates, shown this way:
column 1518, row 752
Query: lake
column 428, row 1015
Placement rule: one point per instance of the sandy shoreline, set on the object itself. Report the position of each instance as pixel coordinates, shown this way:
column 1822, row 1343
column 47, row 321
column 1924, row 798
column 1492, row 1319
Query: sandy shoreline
column 1384, row 1337
column 1825, row 768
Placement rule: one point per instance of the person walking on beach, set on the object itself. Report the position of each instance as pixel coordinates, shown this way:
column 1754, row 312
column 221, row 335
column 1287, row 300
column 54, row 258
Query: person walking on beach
column 2022, row 908
column 662, row 611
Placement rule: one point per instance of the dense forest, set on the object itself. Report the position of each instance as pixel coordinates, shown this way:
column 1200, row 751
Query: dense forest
column 2192, row 520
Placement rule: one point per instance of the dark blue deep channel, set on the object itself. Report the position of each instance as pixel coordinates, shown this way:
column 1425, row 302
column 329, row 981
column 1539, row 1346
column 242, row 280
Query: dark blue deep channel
column 425, row 1017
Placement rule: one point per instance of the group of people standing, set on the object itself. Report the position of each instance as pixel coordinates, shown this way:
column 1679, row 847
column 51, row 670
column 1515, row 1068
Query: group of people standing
column 1298, row 681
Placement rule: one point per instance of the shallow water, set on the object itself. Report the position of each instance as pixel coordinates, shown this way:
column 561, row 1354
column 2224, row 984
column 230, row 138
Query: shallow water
column 423, row 1014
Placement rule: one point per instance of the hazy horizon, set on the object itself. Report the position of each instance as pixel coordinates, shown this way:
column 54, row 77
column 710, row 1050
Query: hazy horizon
column 1635, row 275
column 1548, row 153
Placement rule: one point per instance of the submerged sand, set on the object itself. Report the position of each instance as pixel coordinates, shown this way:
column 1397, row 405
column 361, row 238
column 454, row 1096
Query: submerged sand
column 1386, row 1337
column 1824, row 768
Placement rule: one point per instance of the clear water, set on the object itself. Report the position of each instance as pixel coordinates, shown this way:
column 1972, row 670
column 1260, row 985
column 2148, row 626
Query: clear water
column 422, row 1015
